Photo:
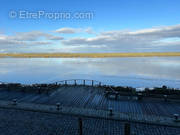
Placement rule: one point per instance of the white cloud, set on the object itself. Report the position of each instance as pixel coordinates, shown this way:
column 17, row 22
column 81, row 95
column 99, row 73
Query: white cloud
column 31, row 38
column 33, row 35
column 2, row 37
column 68, row 30
column 153, row 39
column 129, row 39
column 89, row 31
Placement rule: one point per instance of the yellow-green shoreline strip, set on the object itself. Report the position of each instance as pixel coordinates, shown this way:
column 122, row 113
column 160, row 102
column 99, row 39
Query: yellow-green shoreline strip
column 87, row 55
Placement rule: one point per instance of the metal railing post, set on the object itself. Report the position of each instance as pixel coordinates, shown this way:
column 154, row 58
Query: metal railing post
column 75, row 82
column 84, row 82
column 127, row 129
column 58, row 106
column 80, row 126
column 92, row 82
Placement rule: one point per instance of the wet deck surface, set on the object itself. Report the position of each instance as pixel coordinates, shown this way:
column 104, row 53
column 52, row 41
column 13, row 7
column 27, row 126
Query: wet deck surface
column 93, row 98
column 18, row 122
column 85, row 100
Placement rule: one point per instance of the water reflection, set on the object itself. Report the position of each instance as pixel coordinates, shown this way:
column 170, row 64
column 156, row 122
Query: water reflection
column 137, row 72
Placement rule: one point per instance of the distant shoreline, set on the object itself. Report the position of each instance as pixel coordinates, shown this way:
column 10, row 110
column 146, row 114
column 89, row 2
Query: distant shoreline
column 87, row 55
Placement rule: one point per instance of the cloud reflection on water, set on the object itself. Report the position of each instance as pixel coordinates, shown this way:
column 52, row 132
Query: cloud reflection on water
column 137, row 72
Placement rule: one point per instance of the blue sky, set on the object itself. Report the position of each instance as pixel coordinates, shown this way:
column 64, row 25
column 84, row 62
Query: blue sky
column 116, row 26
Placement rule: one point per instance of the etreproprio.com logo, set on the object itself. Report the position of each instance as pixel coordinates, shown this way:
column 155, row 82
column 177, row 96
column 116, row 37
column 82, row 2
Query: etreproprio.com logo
column 22, row 14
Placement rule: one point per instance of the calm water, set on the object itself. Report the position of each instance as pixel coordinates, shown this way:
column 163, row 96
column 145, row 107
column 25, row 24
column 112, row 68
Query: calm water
column 136, row 72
